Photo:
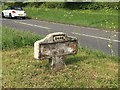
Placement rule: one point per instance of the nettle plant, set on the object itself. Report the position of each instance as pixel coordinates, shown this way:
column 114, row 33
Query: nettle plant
column 113, row 26
column 113, row 34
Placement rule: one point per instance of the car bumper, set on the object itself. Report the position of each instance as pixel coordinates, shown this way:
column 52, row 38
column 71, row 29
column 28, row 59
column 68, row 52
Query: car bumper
column 18, row 15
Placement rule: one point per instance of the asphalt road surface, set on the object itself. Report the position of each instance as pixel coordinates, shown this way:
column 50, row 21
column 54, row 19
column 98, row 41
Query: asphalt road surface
column 91, row 38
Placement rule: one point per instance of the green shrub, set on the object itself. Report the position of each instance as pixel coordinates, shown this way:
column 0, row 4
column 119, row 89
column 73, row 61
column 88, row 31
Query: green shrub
column 53, row 4
column 68, row 5
column 104, row 5
column 12, row 38
column 34, row 4
column 91, row 5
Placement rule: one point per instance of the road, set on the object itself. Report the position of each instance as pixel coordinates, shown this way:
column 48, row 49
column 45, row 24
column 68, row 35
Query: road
column 91, row 38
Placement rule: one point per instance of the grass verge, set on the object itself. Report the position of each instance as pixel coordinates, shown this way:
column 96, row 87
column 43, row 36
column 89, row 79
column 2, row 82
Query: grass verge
column 12, row 38
column 104, row 19
column 85, row 70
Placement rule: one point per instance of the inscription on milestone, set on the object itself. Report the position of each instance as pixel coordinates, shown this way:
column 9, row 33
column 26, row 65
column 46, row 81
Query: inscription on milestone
column 61, row 37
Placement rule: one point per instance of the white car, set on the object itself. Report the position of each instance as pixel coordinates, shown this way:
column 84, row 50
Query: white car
column 14, row 11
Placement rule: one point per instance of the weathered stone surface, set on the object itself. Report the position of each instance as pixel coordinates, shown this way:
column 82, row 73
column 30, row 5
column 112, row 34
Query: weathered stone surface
column 55, row 47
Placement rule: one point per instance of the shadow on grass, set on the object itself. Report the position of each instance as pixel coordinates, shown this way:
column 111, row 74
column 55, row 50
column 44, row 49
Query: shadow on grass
column 75, row 59
column 28, row 18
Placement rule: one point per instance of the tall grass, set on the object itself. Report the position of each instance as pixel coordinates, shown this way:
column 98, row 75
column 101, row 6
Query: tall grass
column 104, row 18
column 12, row 38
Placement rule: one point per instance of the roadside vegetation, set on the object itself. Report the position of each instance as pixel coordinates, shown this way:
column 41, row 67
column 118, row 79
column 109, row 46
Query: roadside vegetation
column 12, row 38
column 86, row 69
column 104, row 19
column 102, row 15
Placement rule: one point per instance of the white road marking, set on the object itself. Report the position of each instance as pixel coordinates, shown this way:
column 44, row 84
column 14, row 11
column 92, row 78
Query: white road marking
column 72, row 32
column 33, row 25
column 95, row 37
column 77, row 26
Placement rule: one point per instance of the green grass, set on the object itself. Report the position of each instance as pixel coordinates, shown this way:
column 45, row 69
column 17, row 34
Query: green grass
column 86, row 69
column 12, row 38
column 105, row 19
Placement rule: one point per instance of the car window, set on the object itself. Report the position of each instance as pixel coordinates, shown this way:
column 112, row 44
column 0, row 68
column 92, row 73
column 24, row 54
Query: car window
column 16, row 8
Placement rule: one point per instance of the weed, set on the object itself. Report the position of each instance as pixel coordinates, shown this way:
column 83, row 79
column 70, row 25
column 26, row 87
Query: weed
column 12, row 38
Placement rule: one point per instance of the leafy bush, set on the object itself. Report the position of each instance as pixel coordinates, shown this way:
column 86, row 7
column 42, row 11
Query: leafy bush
column 91, row 5
column 104, row 5
column 53, row 4
column 34, row 4
column 76, row 5
column 68, row 5
column 12, row 38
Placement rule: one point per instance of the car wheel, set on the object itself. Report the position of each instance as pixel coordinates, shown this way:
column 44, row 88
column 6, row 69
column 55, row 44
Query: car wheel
column 23, row 17
column 10, row 16
column 3, row 15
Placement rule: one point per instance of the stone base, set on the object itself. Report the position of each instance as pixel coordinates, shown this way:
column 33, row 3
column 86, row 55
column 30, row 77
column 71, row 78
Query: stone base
column 57, row 63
